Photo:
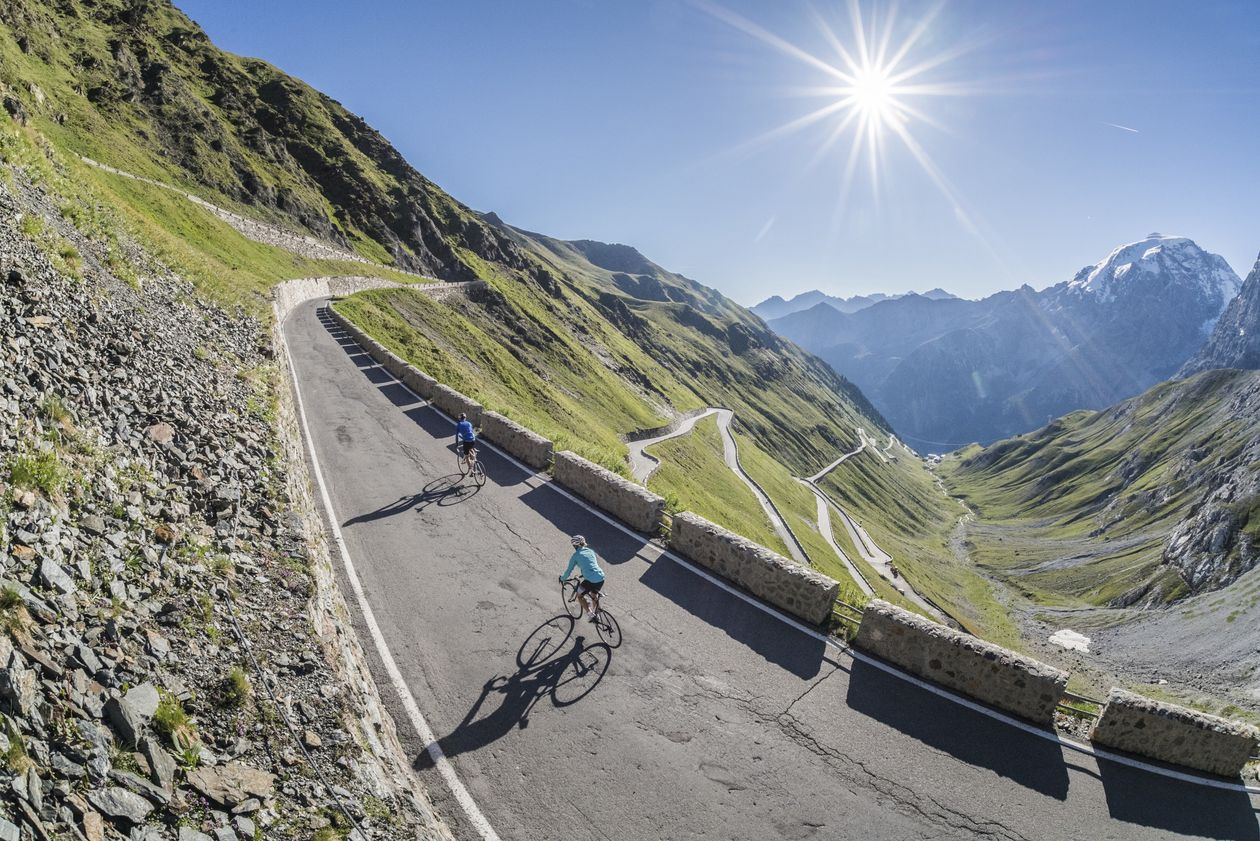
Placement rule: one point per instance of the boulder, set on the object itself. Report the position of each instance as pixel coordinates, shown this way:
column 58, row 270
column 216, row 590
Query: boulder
column 232, row 783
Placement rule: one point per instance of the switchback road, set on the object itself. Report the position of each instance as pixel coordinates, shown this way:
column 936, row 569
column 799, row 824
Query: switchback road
column 713, row 719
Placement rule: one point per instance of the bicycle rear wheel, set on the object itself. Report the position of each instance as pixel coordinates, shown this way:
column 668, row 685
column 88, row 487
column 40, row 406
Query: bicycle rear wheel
column 607, row 628
column 478, row 473
column 568, row 592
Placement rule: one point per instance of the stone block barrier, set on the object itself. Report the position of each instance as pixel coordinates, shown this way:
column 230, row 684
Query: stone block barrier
column 1170, row 733
column 288, row 295
column 419, row 382
column 525, row 444
column 633, row 504
column 986, row 672
column 454, row 404
column 799, row 590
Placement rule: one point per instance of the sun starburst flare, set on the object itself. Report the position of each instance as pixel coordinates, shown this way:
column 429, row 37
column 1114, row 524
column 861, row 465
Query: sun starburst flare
column 871, row 91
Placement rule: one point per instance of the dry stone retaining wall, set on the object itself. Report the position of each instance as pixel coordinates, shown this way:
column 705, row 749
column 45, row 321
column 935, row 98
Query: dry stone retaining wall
column 1175, row 734
column 797, row 589
column 455, row 404
column 633, row 504
column 986, row 672
column 525, row 444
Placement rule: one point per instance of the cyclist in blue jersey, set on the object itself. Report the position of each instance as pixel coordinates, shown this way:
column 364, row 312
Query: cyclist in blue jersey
column 465, row 438
column 587, row 565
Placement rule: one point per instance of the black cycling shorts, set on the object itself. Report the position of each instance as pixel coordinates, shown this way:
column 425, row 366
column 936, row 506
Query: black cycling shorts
column 466, row 447
column 586, row 587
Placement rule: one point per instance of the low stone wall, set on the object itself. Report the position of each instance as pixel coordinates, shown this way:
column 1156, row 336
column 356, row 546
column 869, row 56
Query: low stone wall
column 288, row 295
column 799, row 590
column 419, row 382
column 1174, row 734
column 986, row 672
column 525, row 444
column 455, row 404
column 633, row 504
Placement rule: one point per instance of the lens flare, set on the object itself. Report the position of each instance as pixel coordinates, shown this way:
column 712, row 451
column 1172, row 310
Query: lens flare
column 871, row 90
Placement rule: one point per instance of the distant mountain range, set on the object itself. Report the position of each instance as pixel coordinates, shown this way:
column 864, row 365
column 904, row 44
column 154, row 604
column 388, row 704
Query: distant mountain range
column 948, row 372
column 776, row 307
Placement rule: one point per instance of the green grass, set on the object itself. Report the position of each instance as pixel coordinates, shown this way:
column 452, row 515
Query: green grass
column 223, row 264
column 581, row 405
column 236, row 688
column 41, row 471
column 795, row 503
column 693, row 472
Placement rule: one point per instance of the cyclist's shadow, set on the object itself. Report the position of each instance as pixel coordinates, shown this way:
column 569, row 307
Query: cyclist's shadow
column 548, row 666
column 443, row 491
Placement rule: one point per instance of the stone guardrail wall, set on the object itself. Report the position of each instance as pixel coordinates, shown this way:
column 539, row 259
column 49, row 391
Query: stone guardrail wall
column 799, row 590
column 633, row 504
column 285, row 296
column 525, row 444
column 1174, row 734
column 986, row 672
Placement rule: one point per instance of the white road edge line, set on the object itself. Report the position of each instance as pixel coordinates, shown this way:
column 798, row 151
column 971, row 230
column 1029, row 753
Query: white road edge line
column 426, row 734
column 939, row 691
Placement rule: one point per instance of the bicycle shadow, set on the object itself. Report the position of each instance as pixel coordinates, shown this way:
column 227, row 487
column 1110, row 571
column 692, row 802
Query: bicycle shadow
column 554, row 661
column 443, row 491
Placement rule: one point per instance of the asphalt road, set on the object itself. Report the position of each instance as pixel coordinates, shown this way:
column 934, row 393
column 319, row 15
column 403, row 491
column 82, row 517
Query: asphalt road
column 712, row 719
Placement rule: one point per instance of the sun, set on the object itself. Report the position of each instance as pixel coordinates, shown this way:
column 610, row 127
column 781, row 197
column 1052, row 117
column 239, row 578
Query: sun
column 874, row 95
column 872, row 89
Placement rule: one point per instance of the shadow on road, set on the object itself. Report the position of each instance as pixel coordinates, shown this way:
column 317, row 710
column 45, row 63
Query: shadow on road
column 610, row 543
column 1140, row 797
column 443, row 491
column 1024, row 758
column 554, row 661
column 800, row 654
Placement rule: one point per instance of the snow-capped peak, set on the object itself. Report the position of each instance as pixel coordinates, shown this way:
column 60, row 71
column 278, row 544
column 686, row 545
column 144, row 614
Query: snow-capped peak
column 1170, row 258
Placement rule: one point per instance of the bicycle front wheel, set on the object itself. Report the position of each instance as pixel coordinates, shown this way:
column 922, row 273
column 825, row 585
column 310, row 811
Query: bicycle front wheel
column 460, row 463
column 568, row 592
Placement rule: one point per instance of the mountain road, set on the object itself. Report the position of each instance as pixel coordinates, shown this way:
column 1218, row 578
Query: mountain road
column 714, row 718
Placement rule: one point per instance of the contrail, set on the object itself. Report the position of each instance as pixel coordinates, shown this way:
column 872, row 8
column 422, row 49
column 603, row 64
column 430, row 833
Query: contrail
column 1122, row 128
column 765, row 229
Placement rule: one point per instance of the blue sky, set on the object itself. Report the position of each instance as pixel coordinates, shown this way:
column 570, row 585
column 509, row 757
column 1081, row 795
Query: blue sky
column 637, row 123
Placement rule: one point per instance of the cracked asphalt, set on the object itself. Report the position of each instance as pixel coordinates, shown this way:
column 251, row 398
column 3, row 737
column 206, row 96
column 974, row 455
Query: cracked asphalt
column 711, row 719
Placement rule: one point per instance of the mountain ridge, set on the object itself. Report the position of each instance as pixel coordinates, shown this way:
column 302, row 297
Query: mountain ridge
column 947, row 373
column 776, row 307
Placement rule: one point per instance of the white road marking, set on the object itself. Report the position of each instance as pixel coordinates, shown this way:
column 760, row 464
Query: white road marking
column 1049, row 735
column 444, row 766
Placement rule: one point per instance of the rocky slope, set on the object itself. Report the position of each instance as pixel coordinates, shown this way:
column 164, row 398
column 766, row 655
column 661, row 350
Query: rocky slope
column 161, row 676
column 949, row 372
column 1235, row 341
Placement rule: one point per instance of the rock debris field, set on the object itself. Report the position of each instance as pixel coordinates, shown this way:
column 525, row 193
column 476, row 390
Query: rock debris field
column 144, row 524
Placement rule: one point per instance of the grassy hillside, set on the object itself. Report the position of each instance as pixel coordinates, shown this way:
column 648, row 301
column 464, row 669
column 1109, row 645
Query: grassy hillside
column 1143, row 503
column 587, row 352
column 224, row 265
column 138, row 85
column 694, row 477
